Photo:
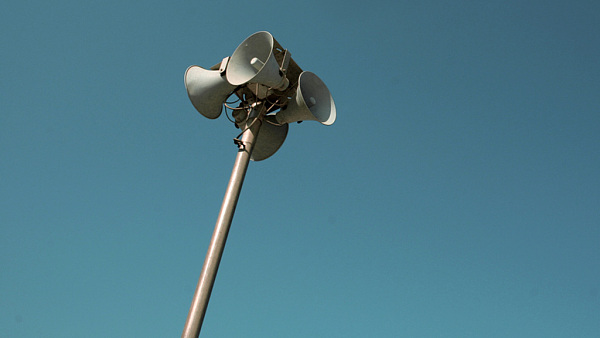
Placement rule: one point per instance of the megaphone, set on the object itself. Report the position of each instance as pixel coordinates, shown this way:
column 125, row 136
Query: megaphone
column 253, row 61
column 312, row 101
column 269, row 139
column 207, row 89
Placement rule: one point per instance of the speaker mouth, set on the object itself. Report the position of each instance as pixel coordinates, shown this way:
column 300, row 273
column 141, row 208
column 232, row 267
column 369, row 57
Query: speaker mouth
column 250, row 58
column 316, row 95
column 254, row 61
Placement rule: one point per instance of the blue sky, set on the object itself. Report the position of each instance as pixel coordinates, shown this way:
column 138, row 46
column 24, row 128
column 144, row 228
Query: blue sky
column 456, row 195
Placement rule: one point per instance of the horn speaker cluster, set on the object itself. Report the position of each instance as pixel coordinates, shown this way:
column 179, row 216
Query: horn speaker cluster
column 265, row 78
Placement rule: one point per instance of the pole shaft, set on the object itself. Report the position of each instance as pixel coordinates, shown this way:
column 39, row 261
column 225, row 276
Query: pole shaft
column 217, row 243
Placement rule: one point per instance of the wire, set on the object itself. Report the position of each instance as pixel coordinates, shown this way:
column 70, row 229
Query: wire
column 254, row 120
column 233, row 108
column 248, row 108
column 247, row 127
column 227, row 114
column 236, row 100
column 273, row 123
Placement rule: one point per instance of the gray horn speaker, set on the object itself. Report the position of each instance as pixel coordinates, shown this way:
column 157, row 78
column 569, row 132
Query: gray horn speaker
column 269, row 140
column 312, row 101
column 207, row 89
column 253, row 62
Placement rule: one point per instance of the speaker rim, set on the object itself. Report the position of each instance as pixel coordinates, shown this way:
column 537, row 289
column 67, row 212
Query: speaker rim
column 235, row 67
column 320, row 86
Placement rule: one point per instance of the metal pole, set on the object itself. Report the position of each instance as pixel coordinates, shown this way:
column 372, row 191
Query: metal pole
column 219, row 237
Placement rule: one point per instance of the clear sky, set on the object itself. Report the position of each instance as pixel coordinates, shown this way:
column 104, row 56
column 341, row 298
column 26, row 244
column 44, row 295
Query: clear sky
column 456, row 195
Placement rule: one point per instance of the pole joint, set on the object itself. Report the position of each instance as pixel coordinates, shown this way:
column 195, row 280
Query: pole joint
column 239, row 143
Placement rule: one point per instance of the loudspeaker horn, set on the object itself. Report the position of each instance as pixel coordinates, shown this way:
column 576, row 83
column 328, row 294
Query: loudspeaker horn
column 207, row 89
column 253, row 61
column 312, row 101
column 269, row 139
